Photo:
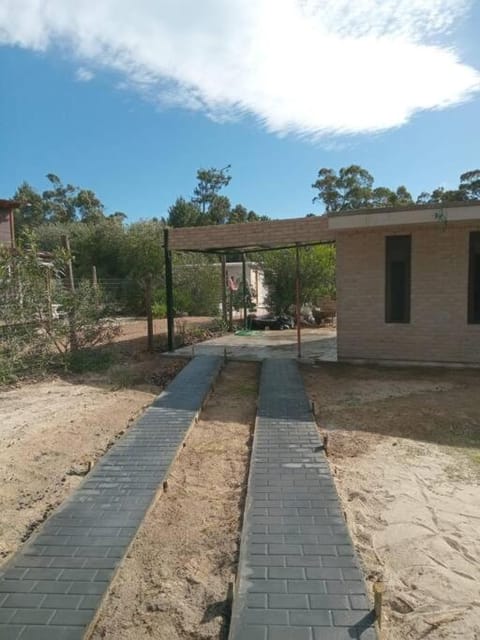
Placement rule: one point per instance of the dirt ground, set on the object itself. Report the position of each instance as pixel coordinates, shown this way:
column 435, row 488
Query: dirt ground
column 134, row 330
column 174, row 583
column 51, row 430
column 405, row 450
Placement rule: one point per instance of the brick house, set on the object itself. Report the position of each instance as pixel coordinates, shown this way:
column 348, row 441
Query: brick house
column 408, row 280
column 408, row 284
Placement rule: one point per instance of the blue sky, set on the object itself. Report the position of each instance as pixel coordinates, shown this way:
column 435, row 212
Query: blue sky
column 166, row 92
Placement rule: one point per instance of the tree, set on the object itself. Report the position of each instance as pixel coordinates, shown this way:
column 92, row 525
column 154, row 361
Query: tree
column 385, row 197
column 61, row 204
column 32, row 211
column 218, row 211
column 60, row 200
column 468, row 189
column 183, row 214
column 210, row 183
column 118, row 216
column 88, row 206
column 327, row 185
column 469, row 185
column 353, row 188
column 403, row 197
column 207, row 205
column 239, row 213
column 317, row 276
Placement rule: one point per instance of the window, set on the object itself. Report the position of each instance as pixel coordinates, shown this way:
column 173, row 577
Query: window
column 397, row 290
column 474, row 279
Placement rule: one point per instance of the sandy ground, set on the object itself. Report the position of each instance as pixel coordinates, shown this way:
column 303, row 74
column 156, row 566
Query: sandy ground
column 51, row 430
column 405, row 450
column 174, row 582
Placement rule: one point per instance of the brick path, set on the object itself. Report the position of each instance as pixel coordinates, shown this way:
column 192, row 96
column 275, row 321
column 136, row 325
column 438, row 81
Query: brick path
column 52, row 588
column 299, row 578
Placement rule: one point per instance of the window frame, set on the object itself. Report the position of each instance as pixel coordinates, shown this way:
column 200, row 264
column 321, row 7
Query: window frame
column 394, row 255
column 473, row 314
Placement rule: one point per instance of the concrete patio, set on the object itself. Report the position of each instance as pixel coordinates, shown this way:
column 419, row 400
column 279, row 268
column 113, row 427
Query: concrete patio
column 318, row 344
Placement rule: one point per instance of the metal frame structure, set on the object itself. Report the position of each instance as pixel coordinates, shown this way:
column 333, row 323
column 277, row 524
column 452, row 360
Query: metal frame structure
column 249, row 238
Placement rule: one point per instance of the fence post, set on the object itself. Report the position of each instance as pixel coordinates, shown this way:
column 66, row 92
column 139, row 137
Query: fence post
column 148, row 304
column 95, row 285
column 71, row 286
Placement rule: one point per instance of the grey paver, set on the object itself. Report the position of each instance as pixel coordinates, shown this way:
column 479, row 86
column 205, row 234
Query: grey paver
column 294, row 528
column 52, row 587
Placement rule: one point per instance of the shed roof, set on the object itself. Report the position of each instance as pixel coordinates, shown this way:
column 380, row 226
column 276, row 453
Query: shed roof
column 8, row 204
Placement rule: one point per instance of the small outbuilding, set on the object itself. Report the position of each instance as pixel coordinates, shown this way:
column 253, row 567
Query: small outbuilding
column 408, row 284
column 7, row 228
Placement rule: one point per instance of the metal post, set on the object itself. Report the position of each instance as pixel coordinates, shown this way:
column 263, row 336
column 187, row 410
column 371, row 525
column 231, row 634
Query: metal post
column 297, row 302
column 148, row 305
column 169, row 292
column 230, row 312
column 224, row 285
column 244, row 291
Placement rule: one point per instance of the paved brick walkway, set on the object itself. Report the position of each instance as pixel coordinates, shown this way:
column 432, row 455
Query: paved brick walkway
column 299, row 578
column 52, row 588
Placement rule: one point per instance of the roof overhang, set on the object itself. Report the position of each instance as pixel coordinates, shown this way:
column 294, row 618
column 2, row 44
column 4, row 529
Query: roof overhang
column 9, row 204
column 394, row 216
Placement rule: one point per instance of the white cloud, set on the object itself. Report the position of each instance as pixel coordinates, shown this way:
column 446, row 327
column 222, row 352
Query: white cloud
column 84, row 75
column 311, row 67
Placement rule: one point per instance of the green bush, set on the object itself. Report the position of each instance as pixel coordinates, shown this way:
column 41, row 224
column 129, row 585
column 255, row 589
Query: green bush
column 32, row 339
column 88, row 360
column 159, row 310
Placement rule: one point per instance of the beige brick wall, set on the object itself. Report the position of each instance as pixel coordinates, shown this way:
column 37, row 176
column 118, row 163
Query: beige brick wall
column 438, row 330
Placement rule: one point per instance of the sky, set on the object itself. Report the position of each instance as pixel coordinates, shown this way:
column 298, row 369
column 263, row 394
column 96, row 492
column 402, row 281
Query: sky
column 130, row 100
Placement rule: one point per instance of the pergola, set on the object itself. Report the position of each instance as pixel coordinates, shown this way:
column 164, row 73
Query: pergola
column 244, row 238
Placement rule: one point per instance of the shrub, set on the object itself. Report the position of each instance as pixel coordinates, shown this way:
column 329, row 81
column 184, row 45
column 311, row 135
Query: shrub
column 32, row 338
column 159, row 310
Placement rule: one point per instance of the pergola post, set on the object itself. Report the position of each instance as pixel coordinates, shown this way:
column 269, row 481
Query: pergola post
column 223, row 261
column 297, row 301
column 169, row 292
column 244, row 291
